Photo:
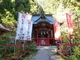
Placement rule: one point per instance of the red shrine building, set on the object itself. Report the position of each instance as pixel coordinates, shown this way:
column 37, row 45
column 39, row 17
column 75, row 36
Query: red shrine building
column 43, row 31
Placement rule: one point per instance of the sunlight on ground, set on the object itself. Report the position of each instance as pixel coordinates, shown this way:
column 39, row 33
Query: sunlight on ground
column 46, row 47
column 53, row 48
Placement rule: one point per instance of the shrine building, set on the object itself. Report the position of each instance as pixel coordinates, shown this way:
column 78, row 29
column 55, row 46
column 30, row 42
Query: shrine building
column 3, row 30
column 43, row 31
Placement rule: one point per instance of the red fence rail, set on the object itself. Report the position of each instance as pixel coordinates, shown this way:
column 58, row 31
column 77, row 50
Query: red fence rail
column 18, row 51
column 63, row 48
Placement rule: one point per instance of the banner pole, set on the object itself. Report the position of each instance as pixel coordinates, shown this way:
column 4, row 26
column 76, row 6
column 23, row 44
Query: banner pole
column 15, row 47
column 15, row 41
column 70, row 29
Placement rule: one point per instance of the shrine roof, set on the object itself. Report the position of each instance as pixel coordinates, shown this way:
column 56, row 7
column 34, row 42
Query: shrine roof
column 36, row 18
column 4, row 29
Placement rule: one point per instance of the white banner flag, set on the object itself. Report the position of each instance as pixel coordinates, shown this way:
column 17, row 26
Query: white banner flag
column 23, row 27
column 29, row 31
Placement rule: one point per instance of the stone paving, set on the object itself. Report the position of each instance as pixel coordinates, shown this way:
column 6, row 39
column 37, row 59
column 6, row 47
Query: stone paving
column 46, row 53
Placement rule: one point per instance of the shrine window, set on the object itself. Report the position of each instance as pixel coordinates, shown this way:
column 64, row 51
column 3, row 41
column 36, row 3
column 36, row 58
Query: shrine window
column 43, row 34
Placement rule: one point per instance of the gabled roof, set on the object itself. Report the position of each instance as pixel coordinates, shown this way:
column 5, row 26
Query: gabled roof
column 3, row 29
column 37, row 18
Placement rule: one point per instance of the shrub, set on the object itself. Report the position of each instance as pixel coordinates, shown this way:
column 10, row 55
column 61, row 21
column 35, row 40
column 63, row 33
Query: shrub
column 73, row 57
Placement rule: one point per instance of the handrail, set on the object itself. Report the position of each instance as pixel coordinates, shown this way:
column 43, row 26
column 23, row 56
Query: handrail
column 60, row 48
column 18, row 45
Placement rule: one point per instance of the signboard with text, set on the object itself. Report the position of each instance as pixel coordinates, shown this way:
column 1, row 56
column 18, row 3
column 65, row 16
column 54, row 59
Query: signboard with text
column 70, row 25
column 24, row 27
column 57, row 34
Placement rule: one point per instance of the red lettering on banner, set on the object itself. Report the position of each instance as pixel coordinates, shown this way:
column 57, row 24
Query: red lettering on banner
column 29, row 22
column 28, row 38
column 23, row 16
column 69, row 21
column 70, row 36
column 57, row 31
column 70, row 25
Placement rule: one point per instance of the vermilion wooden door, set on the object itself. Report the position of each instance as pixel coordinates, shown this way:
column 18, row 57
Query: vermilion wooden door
column 43, row 39
column 43, row 42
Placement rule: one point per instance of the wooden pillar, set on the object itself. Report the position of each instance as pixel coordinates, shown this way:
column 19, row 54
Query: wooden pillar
column 66, row 49
column 49, row 37
column 4, row 51
column 37, row 38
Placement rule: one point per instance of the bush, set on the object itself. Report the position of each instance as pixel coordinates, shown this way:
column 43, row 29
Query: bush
column 33, row 46
column 3, row 41
column 73, row 57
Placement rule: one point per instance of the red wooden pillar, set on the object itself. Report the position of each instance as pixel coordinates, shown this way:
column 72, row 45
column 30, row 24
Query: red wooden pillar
column 49, row 37
column 37, row 37
column 4, row 51
column 1, row 34
column 66, row 49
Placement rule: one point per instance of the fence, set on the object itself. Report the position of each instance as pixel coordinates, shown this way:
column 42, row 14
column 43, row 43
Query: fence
column 65, row 49
column 15, row 51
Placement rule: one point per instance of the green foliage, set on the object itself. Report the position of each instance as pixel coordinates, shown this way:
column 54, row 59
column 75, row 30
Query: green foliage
column 33, row 5
column 73, row 57
column 47, row 6
column 65, row 37
column 22, row 6
column 1, row 55
column 3, row 40
column 2, row 59
column 19, row 50
column 76, row 36
column 10, row 49
column 76, row 51
column 33, row 46
column 9, row 13
column 25, row 6
column 8, row 20
column 60, row 7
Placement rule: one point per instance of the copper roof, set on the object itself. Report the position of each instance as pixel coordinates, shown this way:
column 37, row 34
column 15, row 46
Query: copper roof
column 46, row 18
column 4, row 29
